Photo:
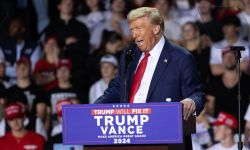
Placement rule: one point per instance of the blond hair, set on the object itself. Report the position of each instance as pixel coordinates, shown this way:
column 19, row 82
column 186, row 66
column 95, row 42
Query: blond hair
column 152, row 14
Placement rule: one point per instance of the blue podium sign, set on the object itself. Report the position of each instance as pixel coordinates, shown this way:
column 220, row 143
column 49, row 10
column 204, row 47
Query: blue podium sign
column 108, row 124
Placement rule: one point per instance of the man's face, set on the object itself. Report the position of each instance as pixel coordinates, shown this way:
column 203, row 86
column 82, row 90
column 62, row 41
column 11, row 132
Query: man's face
column 229, row 60
column 230, row 31
column 144, row 33
column 63, row 74
column 92, row 3
column 188, row 32
column 22, row 70
column 16, row 124
column 108, row 70
column 114, row 47
column 204, row 6
column 66, row 6
column 51, row 47
column 221, row 132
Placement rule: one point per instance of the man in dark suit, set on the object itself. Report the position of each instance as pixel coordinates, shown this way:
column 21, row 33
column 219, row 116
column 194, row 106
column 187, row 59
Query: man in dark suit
column 160, row 71
column 167, row 73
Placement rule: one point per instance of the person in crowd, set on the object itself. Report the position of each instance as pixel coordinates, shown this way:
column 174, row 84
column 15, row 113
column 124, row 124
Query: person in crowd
column 244, row 17
column 55, row 141
column 193, row 43
column 31, row 121
column 3, row 99
column 19, row 137
column 34, row 100
column 225, row 127
column 224, row 88
column 247, row 127
column 58, row 128
column 108, row 69
column 93, row 14
column 111, row 44
column 117, row 23
column 73, row 39
column 172, row 27
column 34, row 94
column 231, row 30
column 18, row 45
column 4, row 80
column 184, row 11
column 133, row 4
column 228, row 8
column 64, row 89
column 209, row 27
column 204, row 128
column 45, row 68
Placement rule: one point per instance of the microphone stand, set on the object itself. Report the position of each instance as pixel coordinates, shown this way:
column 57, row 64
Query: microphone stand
column 129, row 56
column 125, row 100
column 237, row 50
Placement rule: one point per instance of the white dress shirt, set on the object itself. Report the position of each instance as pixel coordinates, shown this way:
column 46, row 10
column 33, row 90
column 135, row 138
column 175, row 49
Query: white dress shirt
column 217, row 48
column 141, row 94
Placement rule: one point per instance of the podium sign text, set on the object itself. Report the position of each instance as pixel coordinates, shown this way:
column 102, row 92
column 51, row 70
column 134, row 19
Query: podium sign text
column 106, row 124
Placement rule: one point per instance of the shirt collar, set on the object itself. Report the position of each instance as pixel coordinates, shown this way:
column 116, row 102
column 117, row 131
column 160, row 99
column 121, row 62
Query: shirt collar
column 156, row 51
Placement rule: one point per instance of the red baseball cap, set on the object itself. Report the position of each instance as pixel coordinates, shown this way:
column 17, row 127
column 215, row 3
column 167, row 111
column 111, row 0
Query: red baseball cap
column 64, row 63
column 14, row 110
column 226, row 119
column 24, row 60
column 50, row 37
column 59, row 106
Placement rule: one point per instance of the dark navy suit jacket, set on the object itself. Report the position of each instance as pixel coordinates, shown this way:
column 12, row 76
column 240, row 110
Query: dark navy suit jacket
column 175, row 77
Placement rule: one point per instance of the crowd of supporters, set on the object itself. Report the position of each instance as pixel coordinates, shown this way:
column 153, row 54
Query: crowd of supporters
column 61, row 52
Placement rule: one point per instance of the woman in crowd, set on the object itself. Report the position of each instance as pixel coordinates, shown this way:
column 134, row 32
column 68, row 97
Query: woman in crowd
column 44, row 72
column 193, row 43
column 111, row 44
column 92, row 13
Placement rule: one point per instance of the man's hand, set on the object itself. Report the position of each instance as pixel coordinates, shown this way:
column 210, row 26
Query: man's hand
column 188, row 108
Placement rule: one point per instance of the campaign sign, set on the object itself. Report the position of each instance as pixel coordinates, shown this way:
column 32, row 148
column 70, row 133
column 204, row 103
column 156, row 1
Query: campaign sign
column 107, row 124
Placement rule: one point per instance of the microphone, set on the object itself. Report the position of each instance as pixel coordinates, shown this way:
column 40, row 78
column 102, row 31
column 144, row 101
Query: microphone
column 237, row 48
column 129, row 56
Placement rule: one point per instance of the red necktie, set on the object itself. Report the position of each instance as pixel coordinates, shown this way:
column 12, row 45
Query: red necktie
column 138, row 77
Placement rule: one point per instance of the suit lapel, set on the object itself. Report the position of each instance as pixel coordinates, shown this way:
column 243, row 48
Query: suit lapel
column 160, row 68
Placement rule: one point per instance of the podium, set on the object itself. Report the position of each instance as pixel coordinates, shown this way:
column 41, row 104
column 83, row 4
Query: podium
column 189, row 127
column 186, row 129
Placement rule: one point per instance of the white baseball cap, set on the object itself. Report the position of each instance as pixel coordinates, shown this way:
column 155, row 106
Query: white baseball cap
column 108, row 58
